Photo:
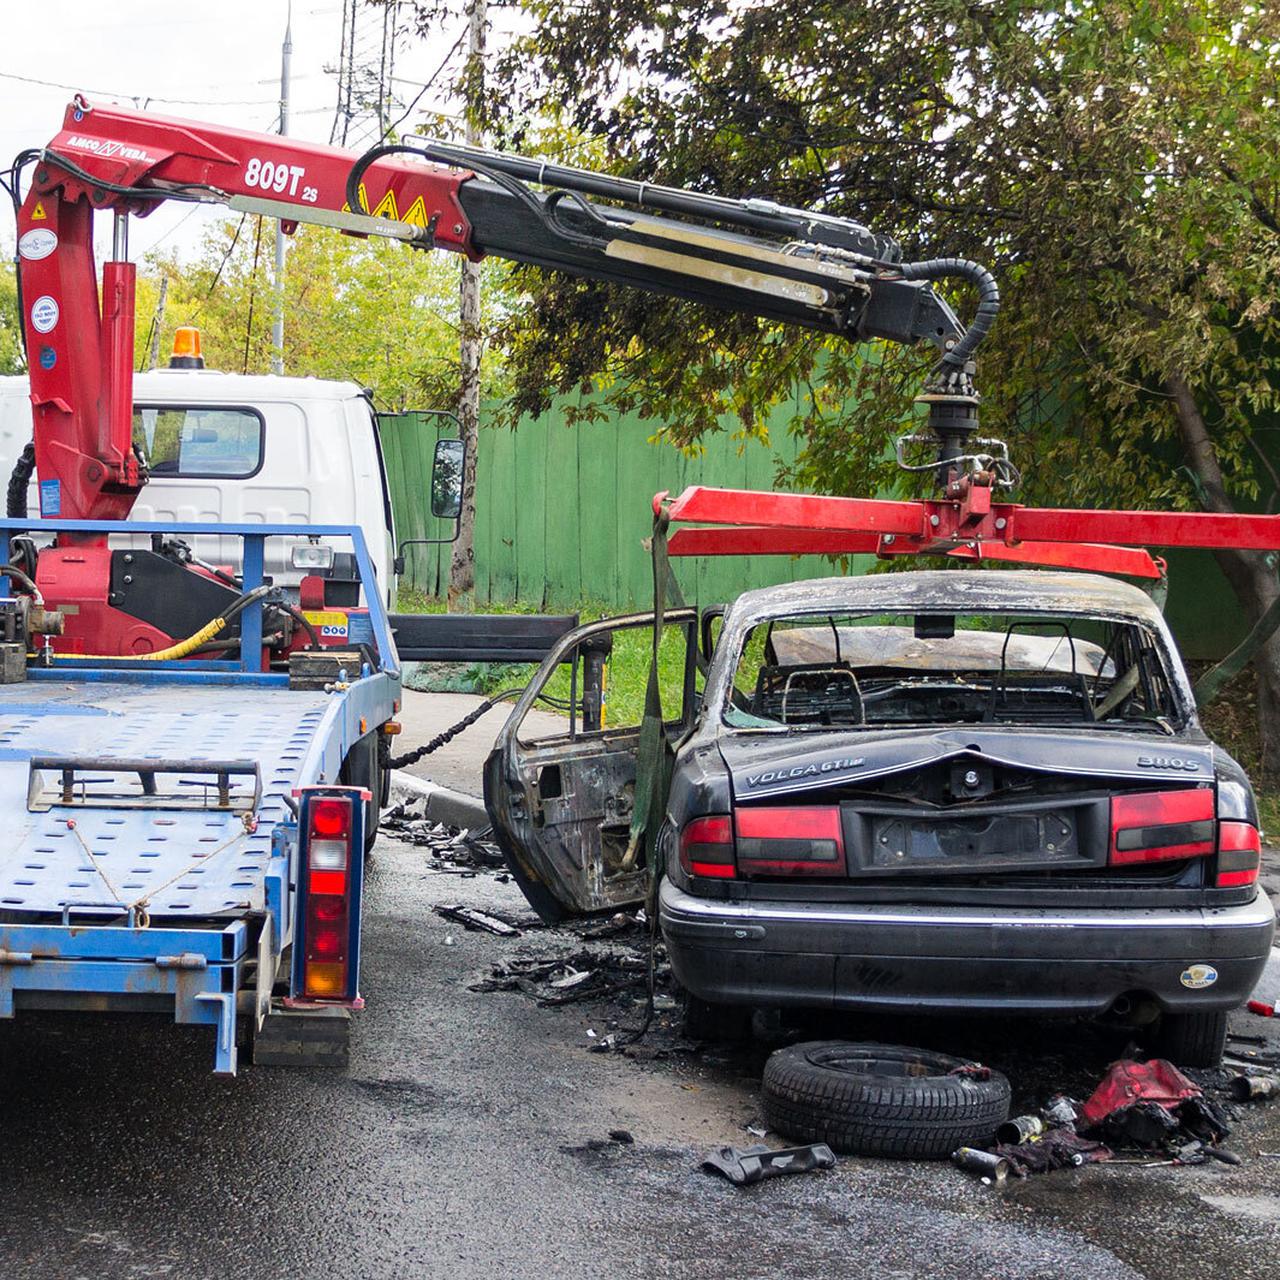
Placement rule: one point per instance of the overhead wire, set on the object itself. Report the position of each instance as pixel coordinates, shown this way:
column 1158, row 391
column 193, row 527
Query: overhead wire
column 137, row 97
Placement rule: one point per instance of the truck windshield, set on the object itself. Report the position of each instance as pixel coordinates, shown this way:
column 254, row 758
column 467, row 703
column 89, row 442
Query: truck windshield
column 820, row 671
column 199, row 440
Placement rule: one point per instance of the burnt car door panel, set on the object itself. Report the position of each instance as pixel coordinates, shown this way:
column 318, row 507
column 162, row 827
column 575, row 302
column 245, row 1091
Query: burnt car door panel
column 562, row 804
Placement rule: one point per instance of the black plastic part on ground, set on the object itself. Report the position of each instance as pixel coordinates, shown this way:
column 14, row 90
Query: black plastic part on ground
column 882, row 1100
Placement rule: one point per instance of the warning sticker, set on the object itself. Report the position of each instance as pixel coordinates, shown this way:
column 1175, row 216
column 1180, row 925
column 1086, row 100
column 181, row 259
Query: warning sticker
column 44, row 314
column 38, row 214
column 330, row 623
column 37, row 243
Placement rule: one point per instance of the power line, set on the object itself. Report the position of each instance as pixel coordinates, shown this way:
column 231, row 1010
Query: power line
column 138, row 97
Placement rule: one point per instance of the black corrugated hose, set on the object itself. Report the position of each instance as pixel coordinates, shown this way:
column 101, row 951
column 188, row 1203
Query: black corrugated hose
column 19, row 479
column 988, row 299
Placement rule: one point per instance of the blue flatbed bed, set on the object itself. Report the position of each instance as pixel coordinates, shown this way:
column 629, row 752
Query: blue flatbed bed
column 124, row 890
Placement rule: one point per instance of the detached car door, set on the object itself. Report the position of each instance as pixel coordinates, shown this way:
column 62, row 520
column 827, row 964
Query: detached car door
column 561, row 799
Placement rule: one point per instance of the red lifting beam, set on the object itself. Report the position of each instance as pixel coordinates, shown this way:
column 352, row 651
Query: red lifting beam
column 967, row 526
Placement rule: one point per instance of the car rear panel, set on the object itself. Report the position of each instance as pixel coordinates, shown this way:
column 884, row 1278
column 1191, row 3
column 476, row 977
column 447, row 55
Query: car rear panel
column 908, row 957
column 995, row 808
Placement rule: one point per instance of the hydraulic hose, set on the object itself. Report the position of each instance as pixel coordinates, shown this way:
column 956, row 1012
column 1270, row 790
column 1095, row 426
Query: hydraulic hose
column 23, row 580
column 19, row 479
column 313, row 639
column 988, row 299
column 183, row 647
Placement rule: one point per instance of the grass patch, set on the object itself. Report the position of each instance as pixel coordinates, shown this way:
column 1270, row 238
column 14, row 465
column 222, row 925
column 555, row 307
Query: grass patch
column 627, row 672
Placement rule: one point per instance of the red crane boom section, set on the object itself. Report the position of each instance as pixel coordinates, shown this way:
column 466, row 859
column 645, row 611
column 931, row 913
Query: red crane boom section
column 81, row 356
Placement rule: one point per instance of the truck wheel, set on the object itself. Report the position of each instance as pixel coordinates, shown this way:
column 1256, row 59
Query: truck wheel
column 882, row 1099
column 363, row 768
column 724, row 1022
column 1192, row 1039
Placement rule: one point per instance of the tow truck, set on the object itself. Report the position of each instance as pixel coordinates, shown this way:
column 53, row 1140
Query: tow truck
column 193, row 764
column 192, row 769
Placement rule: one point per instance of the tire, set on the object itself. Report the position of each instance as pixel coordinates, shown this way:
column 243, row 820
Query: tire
column 1192, row 1039
column 723, row 1022
column 363, row 768
column 881, row 1100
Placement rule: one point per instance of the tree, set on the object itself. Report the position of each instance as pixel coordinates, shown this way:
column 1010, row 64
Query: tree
column 12, row 358
column 462, row 570
column 1119, row 166
column 368, row 310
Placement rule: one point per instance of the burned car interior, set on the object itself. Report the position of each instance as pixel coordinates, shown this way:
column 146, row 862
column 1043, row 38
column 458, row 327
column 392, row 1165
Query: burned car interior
column 807, row 671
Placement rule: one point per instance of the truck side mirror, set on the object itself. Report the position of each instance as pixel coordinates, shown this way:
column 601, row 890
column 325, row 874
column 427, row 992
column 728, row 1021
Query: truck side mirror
column 446, row 479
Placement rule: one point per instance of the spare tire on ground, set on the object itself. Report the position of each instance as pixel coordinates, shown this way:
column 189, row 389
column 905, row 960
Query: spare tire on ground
column 882, row 1099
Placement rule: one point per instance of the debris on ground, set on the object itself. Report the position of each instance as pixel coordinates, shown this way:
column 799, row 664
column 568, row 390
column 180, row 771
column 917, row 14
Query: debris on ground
column 1144, row 1113
column 1020, row 1129
column 1153, row 1105
column 594, row 1146
column 1060, row 1148
column 453, row 849
column 1129, row 1083
column 1254, row 1088
column 566, row 979
column 744, row 1166
column 989, row 1166
column 478, row 921
column 615, row 926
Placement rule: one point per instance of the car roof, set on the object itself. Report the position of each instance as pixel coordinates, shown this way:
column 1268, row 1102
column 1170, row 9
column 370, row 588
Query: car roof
column 952, row 590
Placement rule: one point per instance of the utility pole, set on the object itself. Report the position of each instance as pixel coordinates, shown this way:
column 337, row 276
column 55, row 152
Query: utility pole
column 462, row 576
column 157, row 324
column 277, row 324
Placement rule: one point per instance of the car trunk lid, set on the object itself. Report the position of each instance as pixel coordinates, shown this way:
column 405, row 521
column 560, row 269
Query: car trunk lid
column 967, row 802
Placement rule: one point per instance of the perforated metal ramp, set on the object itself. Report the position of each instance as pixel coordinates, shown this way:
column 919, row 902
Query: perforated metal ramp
column 179, row 863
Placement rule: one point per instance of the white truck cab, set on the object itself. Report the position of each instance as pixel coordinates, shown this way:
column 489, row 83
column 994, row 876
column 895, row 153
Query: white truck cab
column 241, row 449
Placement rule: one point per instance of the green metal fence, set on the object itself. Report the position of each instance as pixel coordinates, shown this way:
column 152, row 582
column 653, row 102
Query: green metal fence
column 562, row 512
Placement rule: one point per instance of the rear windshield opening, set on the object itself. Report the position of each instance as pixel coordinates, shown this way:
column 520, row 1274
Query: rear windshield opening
column 826, row 671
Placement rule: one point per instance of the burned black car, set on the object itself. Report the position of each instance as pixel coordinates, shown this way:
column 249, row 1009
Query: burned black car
column 926, row 791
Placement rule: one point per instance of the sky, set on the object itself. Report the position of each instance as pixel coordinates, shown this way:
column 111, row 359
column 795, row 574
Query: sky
column 216, row 60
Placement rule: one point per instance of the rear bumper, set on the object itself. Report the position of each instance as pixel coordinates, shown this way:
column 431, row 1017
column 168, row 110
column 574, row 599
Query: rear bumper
column 907, row 959
column 196, row 974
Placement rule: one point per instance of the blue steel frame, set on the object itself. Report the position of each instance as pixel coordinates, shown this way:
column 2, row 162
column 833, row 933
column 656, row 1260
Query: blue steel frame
column 254, row 537
column 198, row 971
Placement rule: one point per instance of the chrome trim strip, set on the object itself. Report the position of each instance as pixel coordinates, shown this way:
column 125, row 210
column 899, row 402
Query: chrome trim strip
column 677, row 904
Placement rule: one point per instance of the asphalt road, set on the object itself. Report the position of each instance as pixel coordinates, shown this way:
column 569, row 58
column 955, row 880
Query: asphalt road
column 466, row 1139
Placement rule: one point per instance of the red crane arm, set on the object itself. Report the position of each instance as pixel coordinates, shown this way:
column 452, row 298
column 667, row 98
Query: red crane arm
column 774, row 262
column 80, row 357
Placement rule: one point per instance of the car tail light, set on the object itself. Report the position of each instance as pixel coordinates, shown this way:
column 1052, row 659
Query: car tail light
column 1158, row 826
column 706, row 848
column 1239, row 854
column 790, row 841
column 326, row 943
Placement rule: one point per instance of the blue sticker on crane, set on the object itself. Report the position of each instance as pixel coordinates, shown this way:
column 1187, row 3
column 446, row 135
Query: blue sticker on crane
column 48, row 357
column 50, row 497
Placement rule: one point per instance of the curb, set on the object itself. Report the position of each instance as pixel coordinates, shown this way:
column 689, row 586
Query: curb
column 442, row 803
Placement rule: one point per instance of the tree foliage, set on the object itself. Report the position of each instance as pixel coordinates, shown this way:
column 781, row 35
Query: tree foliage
column 12, row 358
column 1117, row 164
column 367, row 310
